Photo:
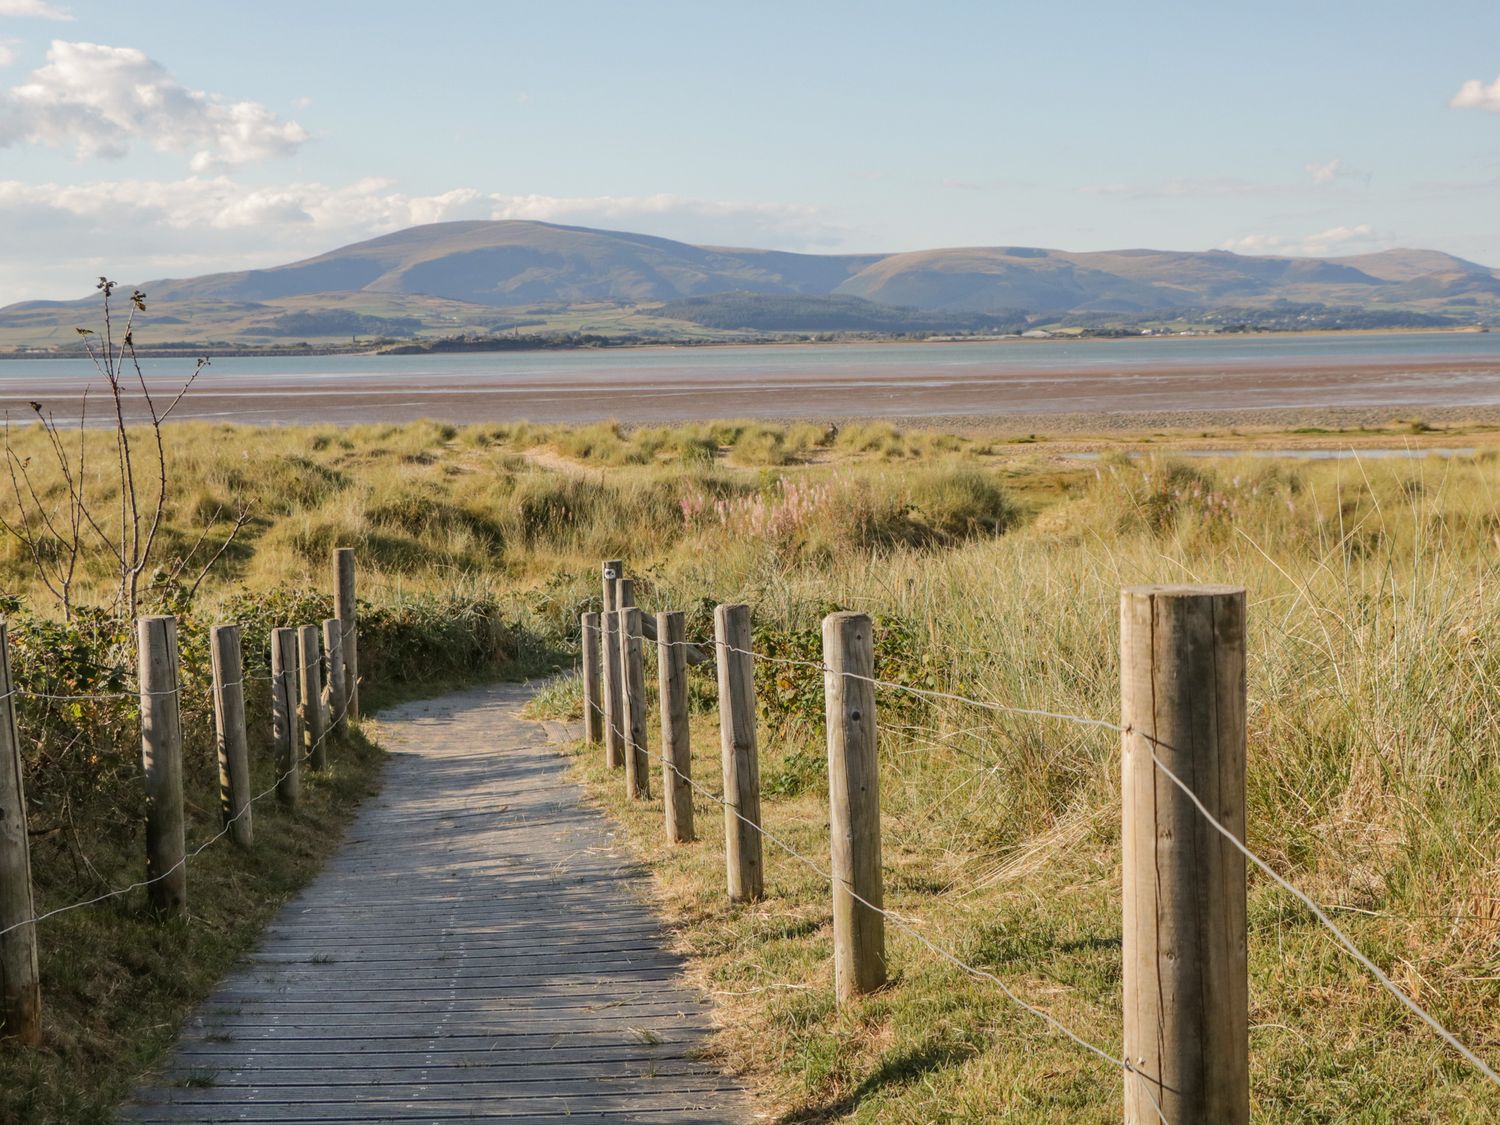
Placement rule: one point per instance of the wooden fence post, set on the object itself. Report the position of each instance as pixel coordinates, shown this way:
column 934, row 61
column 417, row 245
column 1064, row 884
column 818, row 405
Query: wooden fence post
column 20, row 982
column 334, row 693
column 284, row 726
column 593, row 700
column 344, row 609
column 853, row 805
column 736, row 668
column 694, row 654
column 310, row 691
column 624, row 599
column 1182, row 698
column 614, row 723
column 676, row 739
column 161, row 757
column 633, row 679
column 229, row 729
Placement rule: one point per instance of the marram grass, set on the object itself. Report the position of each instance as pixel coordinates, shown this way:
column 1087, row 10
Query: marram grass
column 993, row 571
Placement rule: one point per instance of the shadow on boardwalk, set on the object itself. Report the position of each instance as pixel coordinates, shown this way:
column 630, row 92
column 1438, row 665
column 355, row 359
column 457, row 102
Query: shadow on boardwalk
column 471, row 954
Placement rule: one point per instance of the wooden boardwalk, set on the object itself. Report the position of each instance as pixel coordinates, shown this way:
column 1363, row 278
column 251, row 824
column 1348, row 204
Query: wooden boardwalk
column 472, row 954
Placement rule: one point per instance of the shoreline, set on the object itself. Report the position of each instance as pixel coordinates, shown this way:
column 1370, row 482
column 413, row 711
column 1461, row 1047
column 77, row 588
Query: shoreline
column 190, row 351
column 1018, row 392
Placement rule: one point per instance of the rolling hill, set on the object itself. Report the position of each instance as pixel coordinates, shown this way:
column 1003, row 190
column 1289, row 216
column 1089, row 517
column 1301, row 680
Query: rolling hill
column 511, row 263
column 489, row 276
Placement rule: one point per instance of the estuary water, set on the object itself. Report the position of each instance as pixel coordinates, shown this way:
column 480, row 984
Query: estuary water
column 931, row 380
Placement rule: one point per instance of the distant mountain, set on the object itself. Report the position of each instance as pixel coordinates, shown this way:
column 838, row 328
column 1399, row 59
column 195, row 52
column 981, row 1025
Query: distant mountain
column 454, row 276
column 513, row 263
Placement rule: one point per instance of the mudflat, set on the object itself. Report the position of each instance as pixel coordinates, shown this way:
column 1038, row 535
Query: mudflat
column 1063, row 386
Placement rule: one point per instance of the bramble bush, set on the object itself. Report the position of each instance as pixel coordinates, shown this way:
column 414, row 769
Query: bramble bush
column 789, row 692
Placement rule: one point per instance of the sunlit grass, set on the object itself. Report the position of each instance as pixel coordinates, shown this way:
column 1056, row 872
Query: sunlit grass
column 1374, row 670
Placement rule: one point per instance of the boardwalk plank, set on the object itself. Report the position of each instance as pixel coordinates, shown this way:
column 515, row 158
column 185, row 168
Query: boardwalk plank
column 474, row 953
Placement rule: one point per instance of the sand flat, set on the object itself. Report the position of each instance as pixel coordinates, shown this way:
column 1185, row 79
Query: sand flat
column 1268, row 381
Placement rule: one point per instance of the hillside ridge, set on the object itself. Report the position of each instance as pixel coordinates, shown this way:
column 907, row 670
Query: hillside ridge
column 500, row 275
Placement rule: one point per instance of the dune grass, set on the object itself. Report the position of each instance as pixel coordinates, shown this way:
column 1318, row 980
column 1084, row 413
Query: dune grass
column 1372, row 783
column 993, row 571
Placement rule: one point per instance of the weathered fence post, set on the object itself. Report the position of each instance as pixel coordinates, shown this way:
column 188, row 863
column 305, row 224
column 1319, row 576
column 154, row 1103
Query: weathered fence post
column 853, row 805
column 1182, row 698
column 695, row 655
column 676, row 740
column 284, row 726
column 593, row 701
column 229, row 729
column 736, row 668
column 335, row 691
column 161, row 758
column 614, row 724
column 20, row 982
column 344, row 610
column 633, row 679
column 310, row 690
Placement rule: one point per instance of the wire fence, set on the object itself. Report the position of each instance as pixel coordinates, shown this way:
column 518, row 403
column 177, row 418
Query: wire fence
column 330, row 729
column 106, row 696
column 900, row 923
column 1151, row 746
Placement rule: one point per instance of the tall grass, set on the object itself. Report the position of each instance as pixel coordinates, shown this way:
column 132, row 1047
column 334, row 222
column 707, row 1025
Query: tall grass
column 1374, row 672
column 1372, row 782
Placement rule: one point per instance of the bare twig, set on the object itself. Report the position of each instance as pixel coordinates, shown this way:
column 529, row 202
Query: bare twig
column 55, row 533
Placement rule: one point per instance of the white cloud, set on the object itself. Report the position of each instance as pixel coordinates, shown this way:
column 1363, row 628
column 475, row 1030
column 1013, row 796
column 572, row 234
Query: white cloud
column 58, row 235
column 38, row 9
column 1336, row 171
column 1324, row 173
column 1331, row 242
column 100, row 100
column 1474, row 94
column 7, row 51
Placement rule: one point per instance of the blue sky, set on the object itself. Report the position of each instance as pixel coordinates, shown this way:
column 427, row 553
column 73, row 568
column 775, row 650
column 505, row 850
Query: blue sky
column 172, row 138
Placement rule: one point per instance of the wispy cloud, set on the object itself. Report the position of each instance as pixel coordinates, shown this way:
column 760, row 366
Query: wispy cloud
column 1227, row 187
column 551, row 208
column 1324, row 173
column 99, row 101
column 7, row 51
column 1333, row 171
column 138, row 229
column 1474, row 94
column 1188, row 187
column 36, row 9
column 1333, row 241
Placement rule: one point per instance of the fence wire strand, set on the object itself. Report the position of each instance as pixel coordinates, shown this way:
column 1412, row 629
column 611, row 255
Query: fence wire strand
column 298, row 754
column 1343, row 939
column 1317, row 911
column 907, row 928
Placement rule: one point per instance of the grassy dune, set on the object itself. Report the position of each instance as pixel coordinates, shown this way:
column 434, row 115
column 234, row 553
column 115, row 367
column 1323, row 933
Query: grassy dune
column 993, row 570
